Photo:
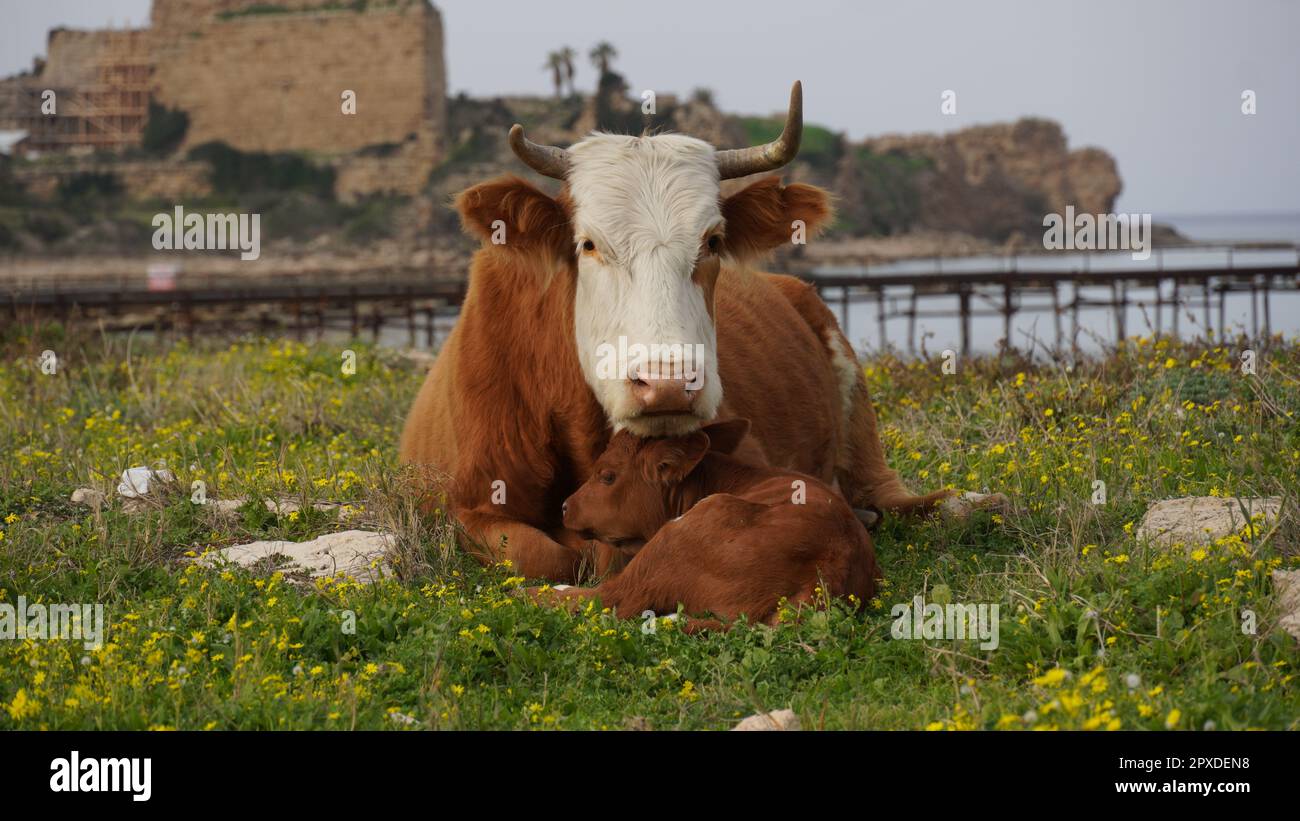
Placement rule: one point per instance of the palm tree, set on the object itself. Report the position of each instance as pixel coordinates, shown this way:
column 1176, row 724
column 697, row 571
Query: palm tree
column 602, row 55
column 555, row 64
column 568, row 55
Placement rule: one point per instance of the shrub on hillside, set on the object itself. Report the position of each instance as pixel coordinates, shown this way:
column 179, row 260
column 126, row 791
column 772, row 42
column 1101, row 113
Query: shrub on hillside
column 164, row 130
column 235, row 171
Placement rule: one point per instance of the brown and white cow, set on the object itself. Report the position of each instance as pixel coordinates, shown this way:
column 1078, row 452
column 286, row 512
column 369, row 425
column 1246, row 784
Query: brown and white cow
column 639, row 248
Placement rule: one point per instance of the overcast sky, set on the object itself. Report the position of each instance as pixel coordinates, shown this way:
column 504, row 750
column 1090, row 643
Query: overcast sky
column 1157, row 84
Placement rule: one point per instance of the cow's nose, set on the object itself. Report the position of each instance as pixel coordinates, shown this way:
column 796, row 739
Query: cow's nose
column 664, row 395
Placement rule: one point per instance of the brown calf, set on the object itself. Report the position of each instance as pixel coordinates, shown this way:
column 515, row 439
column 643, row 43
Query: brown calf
column 720, row 535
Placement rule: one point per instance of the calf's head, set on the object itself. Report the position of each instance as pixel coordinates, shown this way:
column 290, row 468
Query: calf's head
column 642, row 226
column 633, row 488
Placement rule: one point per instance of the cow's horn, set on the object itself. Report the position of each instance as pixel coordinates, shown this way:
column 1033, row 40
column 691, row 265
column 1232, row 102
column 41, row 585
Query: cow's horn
column 741, row 162
column 544, row 159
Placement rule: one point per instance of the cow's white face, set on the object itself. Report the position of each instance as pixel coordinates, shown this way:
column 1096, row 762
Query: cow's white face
column 648, row 227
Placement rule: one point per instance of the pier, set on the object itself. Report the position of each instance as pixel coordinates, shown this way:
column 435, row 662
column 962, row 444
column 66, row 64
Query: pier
column 424, row 304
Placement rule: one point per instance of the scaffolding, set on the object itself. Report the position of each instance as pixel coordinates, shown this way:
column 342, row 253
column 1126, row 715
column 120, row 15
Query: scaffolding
column 107, row 111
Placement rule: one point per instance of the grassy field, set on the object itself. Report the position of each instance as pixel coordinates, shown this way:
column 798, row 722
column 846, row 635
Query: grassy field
column 1098, row 630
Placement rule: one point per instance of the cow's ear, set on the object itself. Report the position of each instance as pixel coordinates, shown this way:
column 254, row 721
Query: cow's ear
column 725, row 437
column 767, row 214
column 513, row 214
column 668, row 461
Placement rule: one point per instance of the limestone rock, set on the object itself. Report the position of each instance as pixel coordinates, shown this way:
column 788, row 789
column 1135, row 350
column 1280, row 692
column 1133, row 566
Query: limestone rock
column 137, row 481
column 775, row 720
column 226, row 507
column 1202, row 519
column 420, row 360
column 284, row 507
column 639, row 724
column 959, row 508
column 350, row 553
column 87, row 496
column 985, row 181
column 281, row 507
column 1287, row 585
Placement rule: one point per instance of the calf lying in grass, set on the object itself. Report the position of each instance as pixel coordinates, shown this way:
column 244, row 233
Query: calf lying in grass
column 720, row 536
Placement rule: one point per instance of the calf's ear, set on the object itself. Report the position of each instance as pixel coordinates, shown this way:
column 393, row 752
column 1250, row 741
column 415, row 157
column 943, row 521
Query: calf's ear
column 724, row 437
column 668, row 461
column 767, row 214
column 511, row 213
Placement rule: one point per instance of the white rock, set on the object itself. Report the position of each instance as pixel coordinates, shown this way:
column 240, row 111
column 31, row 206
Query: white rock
column 422, row 360
column 1194, row 520
column 1287, row 585
column 87, row 496
column 775, row 720
column 960, row 507
column 226, row 507
column 349, row 553
column 229, row 507
column 135, row 481
column 286, row 506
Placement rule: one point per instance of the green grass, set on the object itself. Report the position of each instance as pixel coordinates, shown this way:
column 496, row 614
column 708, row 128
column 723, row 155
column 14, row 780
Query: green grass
column 1086, row 609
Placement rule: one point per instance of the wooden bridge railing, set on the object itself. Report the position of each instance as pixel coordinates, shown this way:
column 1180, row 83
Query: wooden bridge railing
column 1003, row 293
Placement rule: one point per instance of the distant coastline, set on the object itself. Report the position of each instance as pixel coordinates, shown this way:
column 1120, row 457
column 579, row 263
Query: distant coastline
column 1238, row 227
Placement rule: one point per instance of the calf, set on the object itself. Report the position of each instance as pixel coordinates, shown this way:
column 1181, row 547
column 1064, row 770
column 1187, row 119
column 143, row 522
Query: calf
column 716, row 534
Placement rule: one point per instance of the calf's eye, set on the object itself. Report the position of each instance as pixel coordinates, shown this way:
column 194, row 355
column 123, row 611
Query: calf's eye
column 607, row 478
column 715, row 244
column 588, row 245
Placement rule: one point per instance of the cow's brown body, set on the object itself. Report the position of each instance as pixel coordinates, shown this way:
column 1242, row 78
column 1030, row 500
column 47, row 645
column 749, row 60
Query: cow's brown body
column 506, row 415
column 729, row 539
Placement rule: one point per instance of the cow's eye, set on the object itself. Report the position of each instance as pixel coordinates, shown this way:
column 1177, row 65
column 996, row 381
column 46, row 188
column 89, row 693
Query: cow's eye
column 607, row 477
column 715, row 244
column 588, row 246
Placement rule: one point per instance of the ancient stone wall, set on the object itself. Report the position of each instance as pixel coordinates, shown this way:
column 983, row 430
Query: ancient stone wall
column 401, row 172
column 79, row 58
column 269, row 76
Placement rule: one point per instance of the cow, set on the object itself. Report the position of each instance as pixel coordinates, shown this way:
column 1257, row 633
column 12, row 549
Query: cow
column 714, row 534
column 638, row 250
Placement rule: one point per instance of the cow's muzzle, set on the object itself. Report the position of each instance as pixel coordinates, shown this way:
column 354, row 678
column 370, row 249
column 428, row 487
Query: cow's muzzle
column 664, row 396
